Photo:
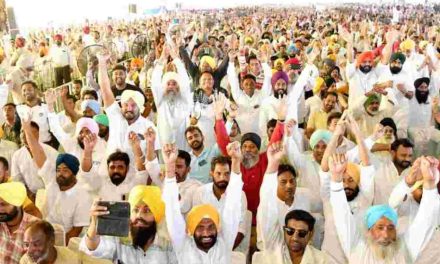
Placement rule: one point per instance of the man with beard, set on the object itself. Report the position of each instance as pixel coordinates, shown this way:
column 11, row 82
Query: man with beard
column 362, row 75
column 388, row 176
column 119, row 76
column 67, row 201
column 23, row 167
column 318, row 120
column 61, row 61
column 421, row 132
column 103, row 124
column 380, row 243
column 183, row 168
column 213, row 193
column 201, row 239
column 403, row 90
column 171, row 93
column 279, row 195
column 246, row 96
column 85, row 126
column 146, row 242
column 13, row 221
column 124, row 119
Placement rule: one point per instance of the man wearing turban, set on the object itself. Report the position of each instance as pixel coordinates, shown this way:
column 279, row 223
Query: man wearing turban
column 171, row 93
column 103, row 124
column 13, row 221
column 125, row 118
column 208, row 235
column 381, row 243
column 146, row 242
column 61, row 61
column 67, row 201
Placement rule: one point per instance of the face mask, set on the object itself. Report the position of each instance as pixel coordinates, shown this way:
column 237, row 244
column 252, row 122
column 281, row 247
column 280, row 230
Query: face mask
column 365, row 69
column 395, row 70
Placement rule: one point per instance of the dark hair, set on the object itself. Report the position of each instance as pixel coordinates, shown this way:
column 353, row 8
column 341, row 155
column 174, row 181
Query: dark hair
column 45, row 227
column 34, row 84
column 326, row 94
column 10, row 104
column 5, row 162
column 251, row 57
column 119, row 155
column 249, row 76
column 35, row 125
column 286, row 168
column 184, row 155
column 406, row 143
column 77, row 81
column 89, row 92
column 220, row 160
column 210, row 73
column 192, row 129
column 301, row 215
column 333, row 115
column 271, row 123
column 119, row 67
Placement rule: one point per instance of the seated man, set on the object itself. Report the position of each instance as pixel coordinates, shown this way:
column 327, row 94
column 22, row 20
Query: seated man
column 13, row 221
column 203, row 241
column 381, row 244
column 39, row 240
column 288, row 245
column 146, row 243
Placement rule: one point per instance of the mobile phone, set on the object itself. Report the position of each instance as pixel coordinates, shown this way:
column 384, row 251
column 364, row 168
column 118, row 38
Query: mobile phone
column 117, row 222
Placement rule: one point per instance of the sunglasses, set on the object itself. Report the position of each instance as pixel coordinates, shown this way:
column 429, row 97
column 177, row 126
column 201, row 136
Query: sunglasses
column 290, row 231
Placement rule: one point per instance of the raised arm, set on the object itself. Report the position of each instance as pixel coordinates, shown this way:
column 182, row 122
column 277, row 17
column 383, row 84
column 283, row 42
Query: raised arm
column 403, row 188
column 233, row 78
column 87, row 159
column 156, row 78
column 388, row 49
column 231, row 213
column 139, row 157
column 344, row 220
column 35, row 147
column 54, row 122
column 174, row 219
column 426, row 220
column 104, row 81
column 221, row 134
column 362, row 148
column 267, row 216
column 333, row 144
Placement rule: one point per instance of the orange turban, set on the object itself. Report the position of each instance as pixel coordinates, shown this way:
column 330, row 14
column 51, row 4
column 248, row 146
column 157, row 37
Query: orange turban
column 136, row 62
column 200, row 212
column 366, row 55
column 354, row 172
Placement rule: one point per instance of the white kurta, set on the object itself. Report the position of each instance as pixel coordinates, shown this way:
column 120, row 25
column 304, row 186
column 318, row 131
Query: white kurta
column 413, row 241
column 184, row 245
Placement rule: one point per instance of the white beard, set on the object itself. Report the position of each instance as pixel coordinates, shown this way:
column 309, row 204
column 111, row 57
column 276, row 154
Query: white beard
column 384, row 253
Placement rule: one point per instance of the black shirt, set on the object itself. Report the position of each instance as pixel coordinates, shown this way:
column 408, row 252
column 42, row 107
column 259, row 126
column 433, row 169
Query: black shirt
column 117, row 93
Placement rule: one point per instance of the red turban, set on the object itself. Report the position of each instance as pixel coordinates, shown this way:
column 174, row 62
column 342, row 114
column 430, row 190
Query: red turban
column 19, row 42
column 58, row 37
column 86, row 30
column 364, row 56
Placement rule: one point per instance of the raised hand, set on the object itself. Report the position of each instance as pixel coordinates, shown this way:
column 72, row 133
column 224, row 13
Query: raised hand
column 233, row 150
column 169, row 154
column 232, row 55
column 378, row 132
column 275, row 152
column 233, row 110
column 337, row 164
column 103, row 57
column 89, row 142
column 150, row 135
column 288, row 127
column 50, row 97
column 345, row 35
column 354, row 126
column 415, row 173
column 133, row 139
column 174, row 51
column 219, row 103
column 430, row 173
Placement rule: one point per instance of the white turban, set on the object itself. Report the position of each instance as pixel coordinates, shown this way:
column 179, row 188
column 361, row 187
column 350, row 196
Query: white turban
column 137, row 97
column 170, row 76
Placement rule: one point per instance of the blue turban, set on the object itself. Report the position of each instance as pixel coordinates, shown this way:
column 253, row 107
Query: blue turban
column 376, row 212
column 70, row 161
column 92, row 104
column 318, row 135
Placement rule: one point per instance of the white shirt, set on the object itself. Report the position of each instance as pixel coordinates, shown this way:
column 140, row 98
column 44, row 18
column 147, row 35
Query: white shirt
column 121, row 45
column 352, row 239
column 249, row 106
column 7, row 149
column 184, row 245
column 38, row 114
column 172, row 112
column 206, row 121
column 70, row 144
column 98, row 182
column 68, row 208
column 272, row 212
column 24, row 169
column 119, row 129
column 420, row 114
column 160, row 252
column 205, row 195
column 186, row 188
column 60, row 56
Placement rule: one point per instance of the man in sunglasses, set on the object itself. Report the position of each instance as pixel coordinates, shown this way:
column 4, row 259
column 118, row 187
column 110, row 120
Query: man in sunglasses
column 284, row 236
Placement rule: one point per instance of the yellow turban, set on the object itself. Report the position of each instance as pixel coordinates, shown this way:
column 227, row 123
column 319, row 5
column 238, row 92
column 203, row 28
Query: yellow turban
column 423, row 44
column 13, row 193
column 332, row 57
column 137, row 97
column 151, row 196
column 200, row 212
column 248, row 40
column 208, row 59
column 407, row 45
column 318, row 83
column 354, row 172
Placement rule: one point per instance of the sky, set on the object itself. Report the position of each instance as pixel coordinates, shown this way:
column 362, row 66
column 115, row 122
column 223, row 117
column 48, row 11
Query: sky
column 44, row 13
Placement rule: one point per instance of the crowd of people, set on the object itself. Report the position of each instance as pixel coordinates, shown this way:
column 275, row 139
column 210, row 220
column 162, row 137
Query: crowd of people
column 248, row 135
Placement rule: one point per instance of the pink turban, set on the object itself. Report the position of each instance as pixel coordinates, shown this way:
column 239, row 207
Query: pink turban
column 279, row 75
column 88, row 123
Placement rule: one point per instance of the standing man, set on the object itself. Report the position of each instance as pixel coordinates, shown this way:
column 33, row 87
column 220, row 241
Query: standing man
column 62, row 61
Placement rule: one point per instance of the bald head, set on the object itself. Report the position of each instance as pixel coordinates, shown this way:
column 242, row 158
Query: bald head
column 39, row 240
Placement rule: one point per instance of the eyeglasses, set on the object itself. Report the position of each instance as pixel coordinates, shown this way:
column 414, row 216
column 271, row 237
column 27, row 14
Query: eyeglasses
column 290, row 231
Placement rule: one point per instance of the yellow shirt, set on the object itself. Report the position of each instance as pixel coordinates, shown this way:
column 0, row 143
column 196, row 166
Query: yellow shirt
column 64, row 256
column 318, row 120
